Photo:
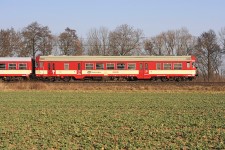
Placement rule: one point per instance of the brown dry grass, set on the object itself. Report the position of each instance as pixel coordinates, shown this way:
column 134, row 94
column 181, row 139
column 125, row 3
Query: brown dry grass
column 26, row 86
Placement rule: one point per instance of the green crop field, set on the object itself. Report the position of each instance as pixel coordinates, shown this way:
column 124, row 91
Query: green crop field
column 110, row 120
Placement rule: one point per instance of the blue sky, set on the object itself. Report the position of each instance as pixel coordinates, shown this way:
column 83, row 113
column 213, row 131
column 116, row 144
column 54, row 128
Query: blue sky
column 152, row 16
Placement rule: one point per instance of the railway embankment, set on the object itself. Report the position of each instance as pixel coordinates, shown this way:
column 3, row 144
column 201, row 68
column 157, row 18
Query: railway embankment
column 116, row 86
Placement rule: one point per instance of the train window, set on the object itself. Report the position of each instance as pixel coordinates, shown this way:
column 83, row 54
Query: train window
column 49, row 66
column 141, row 66
column 120, row 66
column 146, row 66
column 36, row 65
column 110, row 66
column 12, row 66
column 167, row 66
column 89, row 66
column 178, row 66
column 188, row 64
column 158, row 66
column 2, row 66
column 99, row 66
column 131, row 66
column 22, row 66
column 53, row 66
column 41, row 65
column 79, row 66
column 66, row 66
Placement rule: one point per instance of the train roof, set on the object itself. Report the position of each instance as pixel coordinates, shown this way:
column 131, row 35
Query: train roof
column 116, row 58
column 15, row 59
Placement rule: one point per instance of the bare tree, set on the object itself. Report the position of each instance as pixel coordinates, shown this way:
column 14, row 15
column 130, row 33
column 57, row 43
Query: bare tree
column 158, row 43
column 184, row 42
column 170, row 39
column 81, row 46
column 222, row 39
column 125, row 40
column 69, row 42
column 222, row 44
column 36, row 38
column 98, row 41
column 5, row 43
column 173, row 42
column 93, row 42
column 149, row 47
column 46, row 42
column 164, row 43
column 208, row 53
column 55, row 45
column 10, row 42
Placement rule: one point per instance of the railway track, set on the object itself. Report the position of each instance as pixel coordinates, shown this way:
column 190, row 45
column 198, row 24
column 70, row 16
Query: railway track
column 139, row 83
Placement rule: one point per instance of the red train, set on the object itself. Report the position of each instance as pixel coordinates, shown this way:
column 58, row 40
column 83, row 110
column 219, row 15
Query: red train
column 56, row 68
column 15, row 68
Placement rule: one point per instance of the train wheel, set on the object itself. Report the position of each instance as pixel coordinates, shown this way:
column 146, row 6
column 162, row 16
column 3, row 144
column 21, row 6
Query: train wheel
column 164, row 79
column 190, row 79
column 7, row 79
column 52, row 79
column 20, row 79
column 46, row 79
column 178, row 79
column 66, row 79
column 112, row 78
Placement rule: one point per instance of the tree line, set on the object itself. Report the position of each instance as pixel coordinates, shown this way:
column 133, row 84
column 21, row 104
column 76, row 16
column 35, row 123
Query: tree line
column 124, row 40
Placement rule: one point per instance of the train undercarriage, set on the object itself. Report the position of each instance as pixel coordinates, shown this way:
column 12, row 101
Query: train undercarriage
column 115, row 78
column 13, row 78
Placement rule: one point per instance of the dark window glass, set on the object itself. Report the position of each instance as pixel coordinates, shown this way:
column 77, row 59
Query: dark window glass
column 146, row 66
column 178, row 66
column 167, row 66
column 120, row 66
column 89, row 66
column 78, row 66
column 12, row 66
column 66, row 66
column 2, row 66
column 131, row 66
column 141, row 66
column 22, row 66
column 158, row 66
column 99, row 66
column 53, row 66
column 110, row 66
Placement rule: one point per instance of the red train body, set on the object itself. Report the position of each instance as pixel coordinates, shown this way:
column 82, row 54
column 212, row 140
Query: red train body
column 116, row 67
column 53, row 68
column 15, row 68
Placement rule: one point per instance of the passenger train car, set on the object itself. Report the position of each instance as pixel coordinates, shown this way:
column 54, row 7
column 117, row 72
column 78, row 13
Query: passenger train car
column 53, row 68
column 15, row 68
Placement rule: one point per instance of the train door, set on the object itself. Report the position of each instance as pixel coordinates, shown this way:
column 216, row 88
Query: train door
column 51, row 69
column 79, row 68
column 146, row 71
column 143, row 70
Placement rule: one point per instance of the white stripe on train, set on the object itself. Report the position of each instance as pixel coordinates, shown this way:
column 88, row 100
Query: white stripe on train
column 117, row 72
